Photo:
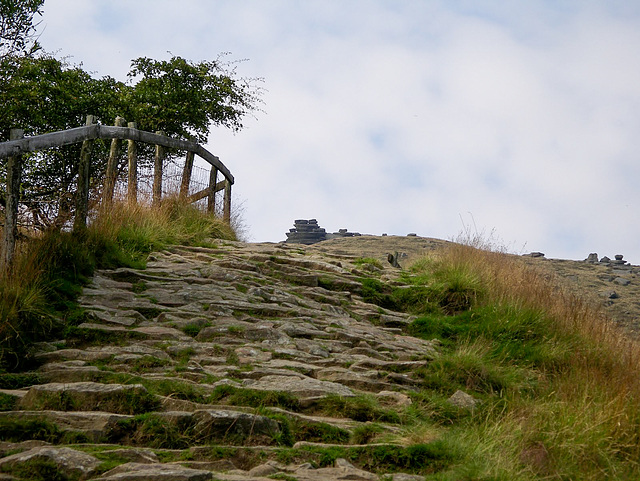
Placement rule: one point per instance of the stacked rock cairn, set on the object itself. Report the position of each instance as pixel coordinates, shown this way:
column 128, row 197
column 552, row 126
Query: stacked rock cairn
column 619, row 259
column 309, row 232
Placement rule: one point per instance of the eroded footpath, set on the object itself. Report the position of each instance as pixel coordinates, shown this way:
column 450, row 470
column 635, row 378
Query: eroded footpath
column 236, row 362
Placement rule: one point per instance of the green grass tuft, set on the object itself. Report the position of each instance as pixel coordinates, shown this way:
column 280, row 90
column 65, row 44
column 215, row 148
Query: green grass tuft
column 254, row 398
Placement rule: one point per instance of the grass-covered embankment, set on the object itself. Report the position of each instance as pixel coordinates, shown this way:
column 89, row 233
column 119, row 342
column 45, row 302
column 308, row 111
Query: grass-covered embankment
column 558, row 386
column 38, row 295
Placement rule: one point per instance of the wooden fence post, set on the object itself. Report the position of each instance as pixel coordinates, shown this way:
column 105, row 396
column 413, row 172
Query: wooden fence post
column 226, row 215
column 112, row 167
column 211, row 199
column 84, row 169
column 157, row 173
column 14, row 171
column 186, row 175
column 132, row 173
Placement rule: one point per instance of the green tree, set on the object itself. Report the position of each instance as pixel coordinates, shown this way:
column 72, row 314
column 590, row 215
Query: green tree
column 42, row 94
column 186, row 99
column 17, row 29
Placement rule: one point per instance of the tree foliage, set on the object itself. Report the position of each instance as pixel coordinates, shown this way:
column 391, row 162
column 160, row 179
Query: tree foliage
column 17, row 29
column 41, row 94
column 185, row 98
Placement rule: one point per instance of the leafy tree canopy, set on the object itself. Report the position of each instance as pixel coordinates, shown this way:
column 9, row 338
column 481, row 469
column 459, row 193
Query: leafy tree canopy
column 184, row 98
column 40, row 93
column 17, row 30
column 43, row 94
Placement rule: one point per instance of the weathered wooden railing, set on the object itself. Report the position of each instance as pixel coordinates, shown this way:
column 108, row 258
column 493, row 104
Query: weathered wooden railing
column 13, row 149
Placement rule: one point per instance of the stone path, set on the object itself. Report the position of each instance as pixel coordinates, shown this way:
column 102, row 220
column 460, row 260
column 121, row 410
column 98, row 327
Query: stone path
column 239, row 362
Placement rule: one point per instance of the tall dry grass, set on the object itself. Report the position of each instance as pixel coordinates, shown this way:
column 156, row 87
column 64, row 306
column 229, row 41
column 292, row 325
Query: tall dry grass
column 143, row 226
column 584, row 422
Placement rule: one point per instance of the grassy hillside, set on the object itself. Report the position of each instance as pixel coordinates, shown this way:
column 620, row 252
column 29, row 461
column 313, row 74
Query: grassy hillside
column 558, row 386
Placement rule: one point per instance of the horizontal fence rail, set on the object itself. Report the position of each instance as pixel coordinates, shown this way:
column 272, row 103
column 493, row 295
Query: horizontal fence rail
column 97, row 131
column 18, row 145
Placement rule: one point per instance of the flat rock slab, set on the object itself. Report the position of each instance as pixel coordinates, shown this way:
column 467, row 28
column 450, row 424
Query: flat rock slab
column 162, row 333
column 94, row 424
column 154, row 472
column 219, row 424
column 124, row 318
column 337, row 474
column 69, row 461
column 71, row 354
column 142, row 456
column 360, row 381
column 84, row 396
column 302, row 387
column 103, row 327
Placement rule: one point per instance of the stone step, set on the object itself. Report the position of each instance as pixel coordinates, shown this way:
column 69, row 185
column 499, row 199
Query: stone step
column 263, row 319
column 89, row 396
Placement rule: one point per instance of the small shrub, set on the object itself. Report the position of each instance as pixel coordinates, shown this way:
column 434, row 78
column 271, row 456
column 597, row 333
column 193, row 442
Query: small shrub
column 365, row 433
column 285, row 435
column 282, row 477
column 368, row 261
column 175, row 389
column 409, row 298
column 148, row 362
column 435, row 407
column 193, row 328
column 16, row 430
column 81, row 337
column 183, row 356
column 155, row 432
column 56, row 401
column 319, row 432
column 7, row 402
column 139, row 286
column 19, row 380
column 134, row 400
column 235, row 330
column 232, row 357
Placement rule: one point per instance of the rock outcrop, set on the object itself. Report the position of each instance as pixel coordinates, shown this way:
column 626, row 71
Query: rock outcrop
column 309, row 232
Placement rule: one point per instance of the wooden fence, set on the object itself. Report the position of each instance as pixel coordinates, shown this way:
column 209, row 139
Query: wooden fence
column 17, row 145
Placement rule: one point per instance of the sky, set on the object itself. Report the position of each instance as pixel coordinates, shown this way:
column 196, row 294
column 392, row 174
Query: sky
column 515, row 121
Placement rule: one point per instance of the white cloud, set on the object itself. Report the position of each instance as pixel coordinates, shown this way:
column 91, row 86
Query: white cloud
column 385, row 116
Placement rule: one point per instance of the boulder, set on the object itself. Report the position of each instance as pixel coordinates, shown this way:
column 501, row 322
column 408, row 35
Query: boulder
column 218, row 424
column 341, row 470
column 301, row 387
column 592, row 258
column 154, row 472
column 463, row 400
column 93, row 424
column 68, row 461
column 88, row 396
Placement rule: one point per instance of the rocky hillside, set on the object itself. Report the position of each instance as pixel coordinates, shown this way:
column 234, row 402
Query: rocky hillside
column 239, row 362
column 613, row 286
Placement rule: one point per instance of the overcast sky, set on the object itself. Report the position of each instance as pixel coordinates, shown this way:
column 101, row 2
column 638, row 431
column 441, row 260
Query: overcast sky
column 423, row 116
